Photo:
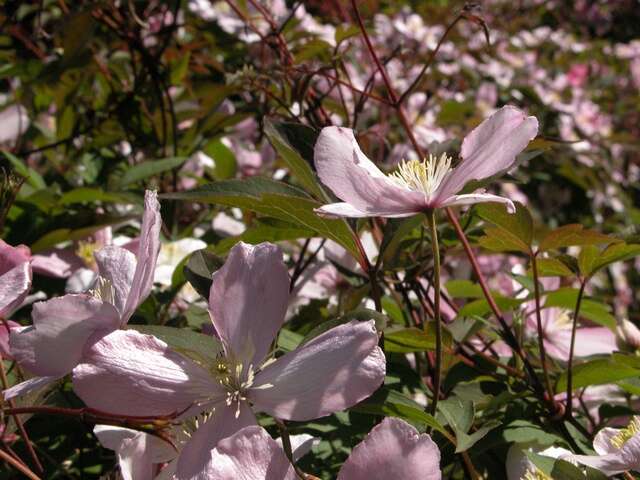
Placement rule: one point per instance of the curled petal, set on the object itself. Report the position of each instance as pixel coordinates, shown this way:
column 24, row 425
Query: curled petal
column 250, row 454
column 117, row 265
column 473, row 198
column 393, row 449
column 349, row 174
column 346, row 210
column 491, row 148
column 28, row 386
column 61, row 328
column 14, row 287
column 130, row 373
column 248, row 300
column 332, row 372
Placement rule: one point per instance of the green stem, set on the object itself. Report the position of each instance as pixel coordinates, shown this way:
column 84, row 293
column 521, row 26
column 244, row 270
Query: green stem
column 576, row 312
column 431, row 219
column 286, row 446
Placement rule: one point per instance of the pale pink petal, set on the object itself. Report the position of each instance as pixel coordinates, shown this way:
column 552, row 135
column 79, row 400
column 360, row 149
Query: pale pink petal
column 81, row 281
column 473, row 198
column 11, row 257
column 250, row 454
column 349, row 174
column 129, row 373
column 602, row 441
column 147, row 255
column 14, row 287
column 300, row 444
column 14, row 121
column 58, row 263
column 5, row 328
column 346, row 210
column 61, row 328
column 626, row 458
column 195, row 458
column 334, row 371
column 28, row 386
column 589, row 341
column 393, row 450
column 248, row 300
column 117, row 265
column 111, row 437
column 490, row 148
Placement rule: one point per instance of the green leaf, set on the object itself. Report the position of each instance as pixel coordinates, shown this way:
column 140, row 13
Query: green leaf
column 463, row 289
column 590, row 309
column 199, row 269
column 412, row 340
column 523, row 431
column 497, row 240
column 274, row 199
column 202, row 349
column 264, row 233
column 343, row 32
column 33, row 178
column 149, row 168
column 465, row 441
column 514, row 230
column 557, row 469
column 597, row 372
column 87, row 195
column 288, row 340
column 224, row 158
column 279, row 135
column 571, row 235
column 394, row 404
column 459, row 413
column 552, row 267
column 594, row 260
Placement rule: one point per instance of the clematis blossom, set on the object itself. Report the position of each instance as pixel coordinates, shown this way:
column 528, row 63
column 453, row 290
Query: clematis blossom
column 129, row 373
column 15, row 276
column 62, row 327
column 393, row 449
column 418, row 186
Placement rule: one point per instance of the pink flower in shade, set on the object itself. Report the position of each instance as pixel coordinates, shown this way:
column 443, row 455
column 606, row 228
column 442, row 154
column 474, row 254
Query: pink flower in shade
column 618, row 450
column 130, row 373
column 393, row 449
column 62, row 326
column 419, row 186
column 15, row 276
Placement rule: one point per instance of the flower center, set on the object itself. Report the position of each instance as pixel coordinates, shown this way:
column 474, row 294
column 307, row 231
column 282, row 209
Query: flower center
column 422, row 176
column 625, row 434
column 85, row 251
column 536, row 474
column 103, row 290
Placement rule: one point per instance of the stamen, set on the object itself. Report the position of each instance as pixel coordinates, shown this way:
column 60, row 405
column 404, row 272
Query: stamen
column 103, row 290
column 535, row 474
column 625, row 434
column 422, row 176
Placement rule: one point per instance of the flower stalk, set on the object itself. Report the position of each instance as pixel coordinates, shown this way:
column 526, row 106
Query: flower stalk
column 574, row 325
column 433, row 231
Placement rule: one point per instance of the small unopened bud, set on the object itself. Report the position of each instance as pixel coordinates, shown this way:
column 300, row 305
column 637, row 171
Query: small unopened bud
column 628, row 335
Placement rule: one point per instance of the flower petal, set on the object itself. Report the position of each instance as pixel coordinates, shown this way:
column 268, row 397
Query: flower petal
column 626, row 458
column 330, row 373
column 129, row 373
column 349, row 174
column 196, row 456
column 248, row 300
column 393, row 449
column 490, row 148
column 147, row 255
column 11, row 257
column 29, row 386
column 111, row 437
column 346, row 210
column 117, row 265
column 250, row 454
column 473, row 198
column 602, row 441
column 61, row 328
column 14, row 287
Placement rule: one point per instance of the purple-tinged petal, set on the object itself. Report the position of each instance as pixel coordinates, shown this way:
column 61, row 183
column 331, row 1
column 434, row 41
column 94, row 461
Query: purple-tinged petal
column 248, row 300
column 147, row 255
column 11, row 257
column 589, row 341
column 602, row 441
column 490, row 148
column 473, row 198
column 28, row 386
column 5, row 330
column 300, row 444
column 334, row 371
column 58, row 263
column 117, row 266
column 111, row 437
column 14, row 287
column 349, row 174
column 130, row 373
column 61, row 328
column 393, row 449
column 626, row 458
column 250, row 454
column 196, row 456
column 346, row 210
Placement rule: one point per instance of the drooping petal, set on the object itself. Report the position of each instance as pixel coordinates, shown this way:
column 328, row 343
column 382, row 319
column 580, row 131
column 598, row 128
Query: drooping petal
column 11, row 257
column 248, row 300
column 473, row 198
column 28, row 386
column 196, row 456
column 602, row 441
column 130, row 373
column 332, row 372
column 147, row 255
column 349, row 174
column 14, row 287
column 346, row 210
column 117, row 266
column 490, row 148
column 61, row 328
column 111, row 437
column 250, row 454
column 626, row 458
column 393, row 449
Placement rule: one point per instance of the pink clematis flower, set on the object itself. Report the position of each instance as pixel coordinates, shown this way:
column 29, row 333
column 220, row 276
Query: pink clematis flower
column 419, row 186
column 130, row 373
column 393, row 449
column 63, row 326
column 618, row 450
column 15, row 276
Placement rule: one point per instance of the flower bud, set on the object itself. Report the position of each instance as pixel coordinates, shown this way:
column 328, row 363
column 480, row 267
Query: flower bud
column 628, row 335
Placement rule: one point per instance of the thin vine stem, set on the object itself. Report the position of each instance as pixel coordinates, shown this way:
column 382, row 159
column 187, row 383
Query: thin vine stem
column 574, row 325
column 433, row 231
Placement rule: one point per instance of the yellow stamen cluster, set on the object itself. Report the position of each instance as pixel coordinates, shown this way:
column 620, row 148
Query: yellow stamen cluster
column 422, row 176
column 536, row 474
column 625, row 434
column 85, row 251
